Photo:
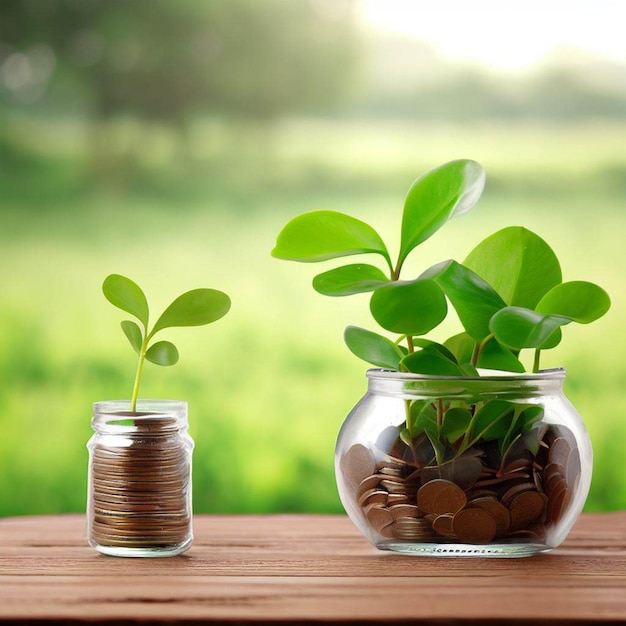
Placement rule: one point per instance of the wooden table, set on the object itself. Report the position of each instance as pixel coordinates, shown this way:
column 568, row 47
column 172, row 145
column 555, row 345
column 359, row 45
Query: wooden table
column 306, row 568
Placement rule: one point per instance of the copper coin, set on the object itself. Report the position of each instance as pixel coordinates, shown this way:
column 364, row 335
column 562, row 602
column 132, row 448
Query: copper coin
column 134, row 508
column 508, row 496
column 498, row 511
column 442, row 525
column 440, row 496
column 138, row 528
column 378, row 516
column 572, row 472
column 134, row 542
column 551, row 483
column 474, row 526
column 482, row 493
column 556, row 503
column 557, row 486
column 356, row 464
column 404, row 510
column 140, row 497
column 373, row 496
column 387, row 531
column 398, row 498
column 387, row 470
column 412, row 529
column 527, row 508
column 394, row 487
column 559, row 452
column 368, row 483
column 392, row 463
column 550, row 470
column 165, row 517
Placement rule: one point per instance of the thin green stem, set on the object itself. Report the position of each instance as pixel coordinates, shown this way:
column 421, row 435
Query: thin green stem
column 410, row 345
column 479, row 347
column 395, row 272
column 409, row 421
column 536, row 360
column 439, row 415
column 142, row 357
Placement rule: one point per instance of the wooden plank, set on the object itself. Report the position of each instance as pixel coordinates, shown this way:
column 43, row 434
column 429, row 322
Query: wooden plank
column 263, row 569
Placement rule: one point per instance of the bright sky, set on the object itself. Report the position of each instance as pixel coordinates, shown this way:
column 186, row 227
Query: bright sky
column 505, row 34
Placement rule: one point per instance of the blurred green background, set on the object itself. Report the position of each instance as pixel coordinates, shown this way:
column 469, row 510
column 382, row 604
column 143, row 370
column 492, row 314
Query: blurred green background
column 170, row 142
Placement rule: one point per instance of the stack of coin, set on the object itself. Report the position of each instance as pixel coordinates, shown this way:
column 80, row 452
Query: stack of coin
column 140, row 489
column 388, row 500
column 517, row 502
column 560, row 476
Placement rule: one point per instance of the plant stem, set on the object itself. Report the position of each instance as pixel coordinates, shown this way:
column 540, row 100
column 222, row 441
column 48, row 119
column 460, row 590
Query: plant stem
column 142, row 356
column 409, row 421
column 479, row 347
column 395, row 273
column 439, row 415
column 409, row 343
column 536, row 361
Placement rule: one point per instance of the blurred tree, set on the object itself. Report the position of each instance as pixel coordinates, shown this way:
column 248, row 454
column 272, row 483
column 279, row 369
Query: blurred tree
column 163, row 61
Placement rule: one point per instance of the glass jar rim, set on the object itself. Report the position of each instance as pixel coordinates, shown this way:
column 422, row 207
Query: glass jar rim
column 494, row 383
column 115, row 416
column 152, row 406
column 557, row 373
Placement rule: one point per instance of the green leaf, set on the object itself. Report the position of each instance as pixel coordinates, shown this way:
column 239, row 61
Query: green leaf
column 469, row 370
column 518, row 264
column 430, row 362
column 162, row 353
column 530, row 416
column 194, row 308
column 455, row 422
column 492, row 420
column 123, row 293
column 474, row 300
column 462, row 346
column 409, row 308
column 518, row 328
column 373, row 348
column 423, row 417
column 579, row 300
column 552, row 341
column 496, row 357
column 349, row 279
column 437, row 196
column 421, row 342
column 321, row 235
column 133, row 334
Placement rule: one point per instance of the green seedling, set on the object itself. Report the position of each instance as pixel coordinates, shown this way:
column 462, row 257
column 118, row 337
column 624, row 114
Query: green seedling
column 508, row 295
column 193, row 308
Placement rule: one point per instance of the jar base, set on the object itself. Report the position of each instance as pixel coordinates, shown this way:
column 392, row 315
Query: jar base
column 493, row 550
column 144, row 552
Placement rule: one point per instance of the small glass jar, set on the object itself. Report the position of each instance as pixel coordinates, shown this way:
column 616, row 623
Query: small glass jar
column 451, row 466
column 139, row 493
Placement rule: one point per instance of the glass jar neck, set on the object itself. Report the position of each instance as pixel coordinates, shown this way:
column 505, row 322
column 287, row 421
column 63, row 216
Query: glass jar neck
column 489, row 384
column 152, row 417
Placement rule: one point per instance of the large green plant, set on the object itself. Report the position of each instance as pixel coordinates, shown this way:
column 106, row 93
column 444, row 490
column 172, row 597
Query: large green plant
column 508, row 295
column 193, row 308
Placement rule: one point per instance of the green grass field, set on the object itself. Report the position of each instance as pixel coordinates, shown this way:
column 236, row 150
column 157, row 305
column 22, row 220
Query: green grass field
column 269, row 385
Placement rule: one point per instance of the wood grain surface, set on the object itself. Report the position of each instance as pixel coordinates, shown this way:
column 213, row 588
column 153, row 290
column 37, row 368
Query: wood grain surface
column 307, row 569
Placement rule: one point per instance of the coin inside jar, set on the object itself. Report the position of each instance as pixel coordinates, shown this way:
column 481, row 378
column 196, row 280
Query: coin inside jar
column 440, row 496
column 474, row 526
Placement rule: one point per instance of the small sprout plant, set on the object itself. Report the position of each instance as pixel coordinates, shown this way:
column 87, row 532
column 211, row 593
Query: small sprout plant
column 193, row 308
column 508, row 294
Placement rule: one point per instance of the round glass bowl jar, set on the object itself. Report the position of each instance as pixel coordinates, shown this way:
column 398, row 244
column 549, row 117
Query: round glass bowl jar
column 139, row 498
column 450, row 466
